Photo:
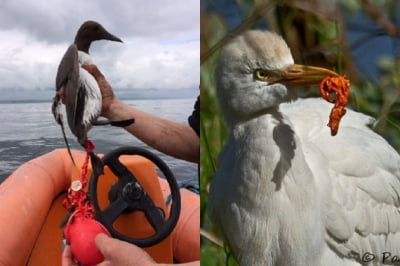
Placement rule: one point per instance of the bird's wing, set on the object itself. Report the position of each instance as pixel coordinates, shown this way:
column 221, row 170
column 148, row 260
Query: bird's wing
column 363, row 211
column 75, row 115
column 68, row 67
column 68, row 77
column 364, row 214
column 88, row 105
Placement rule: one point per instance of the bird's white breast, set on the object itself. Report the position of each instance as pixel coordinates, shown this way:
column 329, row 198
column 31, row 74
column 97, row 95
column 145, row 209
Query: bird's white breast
column 288, row 193
column 84, row 58
column 93, row 99
column 262, row 194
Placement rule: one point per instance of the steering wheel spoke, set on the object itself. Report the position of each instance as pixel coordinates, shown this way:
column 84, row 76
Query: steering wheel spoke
column 114, row 210
column 154, row 214
column 124, row 175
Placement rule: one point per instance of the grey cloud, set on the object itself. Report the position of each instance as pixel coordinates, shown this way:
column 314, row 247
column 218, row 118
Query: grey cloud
column 160, row 49
column 57, row 21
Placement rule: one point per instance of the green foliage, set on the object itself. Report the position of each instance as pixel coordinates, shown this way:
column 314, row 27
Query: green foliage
column 382, row 101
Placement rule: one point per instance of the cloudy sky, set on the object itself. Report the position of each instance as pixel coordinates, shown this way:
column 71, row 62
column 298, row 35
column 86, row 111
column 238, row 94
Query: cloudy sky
column 160, row 52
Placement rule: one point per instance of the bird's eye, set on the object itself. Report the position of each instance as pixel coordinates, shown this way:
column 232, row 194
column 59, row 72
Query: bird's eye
column 261, row 74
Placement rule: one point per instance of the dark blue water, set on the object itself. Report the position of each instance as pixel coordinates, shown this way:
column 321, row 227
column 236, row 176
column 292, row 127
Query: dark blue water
column 28, row 130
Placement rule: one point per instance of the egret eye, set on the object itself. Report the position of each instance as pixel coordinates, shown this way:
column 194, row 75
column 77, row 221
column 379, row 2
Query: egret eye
column 261, row 74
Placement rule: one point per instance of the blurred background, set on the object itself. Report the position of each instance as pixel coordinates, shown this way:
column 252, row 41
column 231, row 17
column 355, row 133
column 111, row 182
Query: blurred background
column 357, row 38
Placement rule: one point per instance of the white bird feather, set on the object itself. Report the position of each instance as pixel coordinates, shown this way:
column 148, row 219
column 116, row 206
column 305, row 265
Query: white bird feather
column 93, row 98
column 286, row 192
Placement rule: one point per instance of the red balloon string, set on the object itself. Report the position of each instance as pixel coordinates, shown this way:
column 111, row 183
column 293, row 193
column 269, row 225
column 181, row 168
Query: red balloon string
column 77, row 200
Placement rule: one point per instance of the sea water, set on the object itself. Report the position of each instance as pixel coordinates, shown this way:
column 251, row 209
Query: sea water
column 28, row 130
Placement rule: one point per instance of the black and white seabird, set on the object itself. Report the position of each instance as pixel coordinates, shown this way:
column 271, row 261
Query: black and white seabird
column 78, row 90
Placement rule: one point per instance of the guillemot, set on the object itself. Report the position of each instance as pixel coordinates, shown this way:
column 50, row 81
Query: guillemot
column 79, row 91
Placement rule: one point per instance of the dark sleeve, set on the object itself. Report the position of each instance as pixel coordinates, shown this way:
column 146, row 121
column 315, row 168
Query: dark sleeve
column 194, row 118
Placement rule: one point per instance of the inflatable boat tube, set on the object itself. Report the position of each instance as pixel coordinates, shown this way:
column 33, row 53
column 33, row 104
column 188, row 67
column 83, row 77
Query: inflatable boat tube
column 31, row 210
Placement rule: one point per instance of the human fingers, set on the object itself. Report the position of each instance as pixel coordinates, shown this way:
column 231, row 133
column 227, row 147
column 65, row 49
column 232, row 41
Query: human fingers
column 67, row 259
column 118, row 252
column 92, row 69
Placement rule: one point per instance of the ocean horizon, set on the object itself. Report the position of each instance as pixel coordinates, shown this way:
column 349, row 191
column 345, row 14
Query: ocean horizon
column 46, row 95
column 29, row 130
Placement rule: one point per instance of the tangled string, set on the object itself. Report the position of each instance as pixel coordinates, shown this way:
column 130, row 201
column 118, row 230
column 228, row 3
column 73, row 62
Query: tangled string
column 77, row 201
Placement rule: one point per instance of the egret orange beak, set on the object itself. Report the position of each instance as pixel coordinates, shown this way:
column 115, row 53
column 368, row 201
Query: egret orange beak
column 300, row 75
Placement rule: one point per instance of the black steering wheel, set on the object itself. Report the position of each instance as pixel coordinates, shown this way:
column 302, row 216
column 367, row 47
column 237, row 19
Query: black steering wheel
column 130, row 196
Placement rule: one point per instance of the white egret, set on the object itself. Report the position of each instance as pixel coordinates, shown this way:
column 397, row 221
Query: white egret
column 286, row 192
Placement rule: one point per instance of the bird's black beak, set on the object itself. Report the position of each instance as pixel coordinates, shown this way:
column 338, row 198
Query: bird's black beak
column 110, row 37
column 301, row 75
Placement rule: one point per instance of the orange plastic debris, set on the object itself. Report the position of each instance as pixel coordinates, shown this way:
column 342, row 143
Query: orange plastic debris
column 335, row 89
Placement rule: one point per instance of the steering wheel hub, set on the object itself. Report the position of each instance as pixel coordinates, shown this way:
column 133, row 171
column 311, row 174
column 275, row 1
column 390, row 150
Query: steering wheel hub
column 132, row 192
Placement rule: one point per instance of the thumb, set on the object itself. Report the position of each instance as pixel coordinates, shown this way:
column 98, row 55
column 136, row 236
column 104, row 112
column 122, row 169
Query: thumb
column 118, row 252
column 104, row 244
column 92, row 69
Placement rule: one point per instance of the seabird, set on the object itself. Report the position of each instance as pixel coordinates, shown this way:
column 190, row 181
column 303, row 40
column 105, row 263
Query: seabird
column 78, row 90
column 286, row 192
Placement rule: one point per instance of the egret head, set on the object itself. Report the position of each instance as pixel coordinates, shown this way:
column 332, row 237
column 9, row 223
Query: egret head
column 254, row 72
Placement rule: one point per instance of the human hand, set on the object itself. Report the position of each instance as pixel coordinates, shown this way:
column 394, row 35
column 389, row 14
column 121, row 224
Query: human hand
column 105, row 88
column 67, row 258
column 115, row 252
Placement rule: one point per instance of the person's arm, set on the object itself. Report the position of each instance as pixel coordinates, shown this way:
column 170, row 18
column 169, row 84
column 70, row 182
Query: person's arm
column 172, row 138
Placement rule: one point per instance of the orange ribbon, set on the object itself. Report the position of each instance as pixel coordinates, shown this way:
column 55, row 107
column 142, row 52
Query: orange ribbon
column 335, row 90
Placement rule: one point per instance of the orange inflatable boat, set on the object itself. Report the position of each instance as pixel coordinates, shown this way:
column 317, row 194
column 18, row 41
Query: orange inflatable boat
column 31, row 210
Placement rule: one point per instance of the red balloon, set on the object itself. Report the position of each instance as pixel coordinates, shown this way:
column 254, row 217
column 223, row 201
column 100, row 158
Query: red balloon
column 81, row 232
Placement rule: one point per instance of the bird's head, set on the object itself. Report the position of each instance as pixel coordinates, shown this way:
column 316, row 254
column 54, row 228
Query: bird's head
column 254, row 73
column 91, row 31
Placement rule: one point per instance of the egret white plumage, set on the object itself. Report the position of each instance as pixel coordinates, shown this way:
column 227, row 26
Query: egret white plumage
column 286, row 192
